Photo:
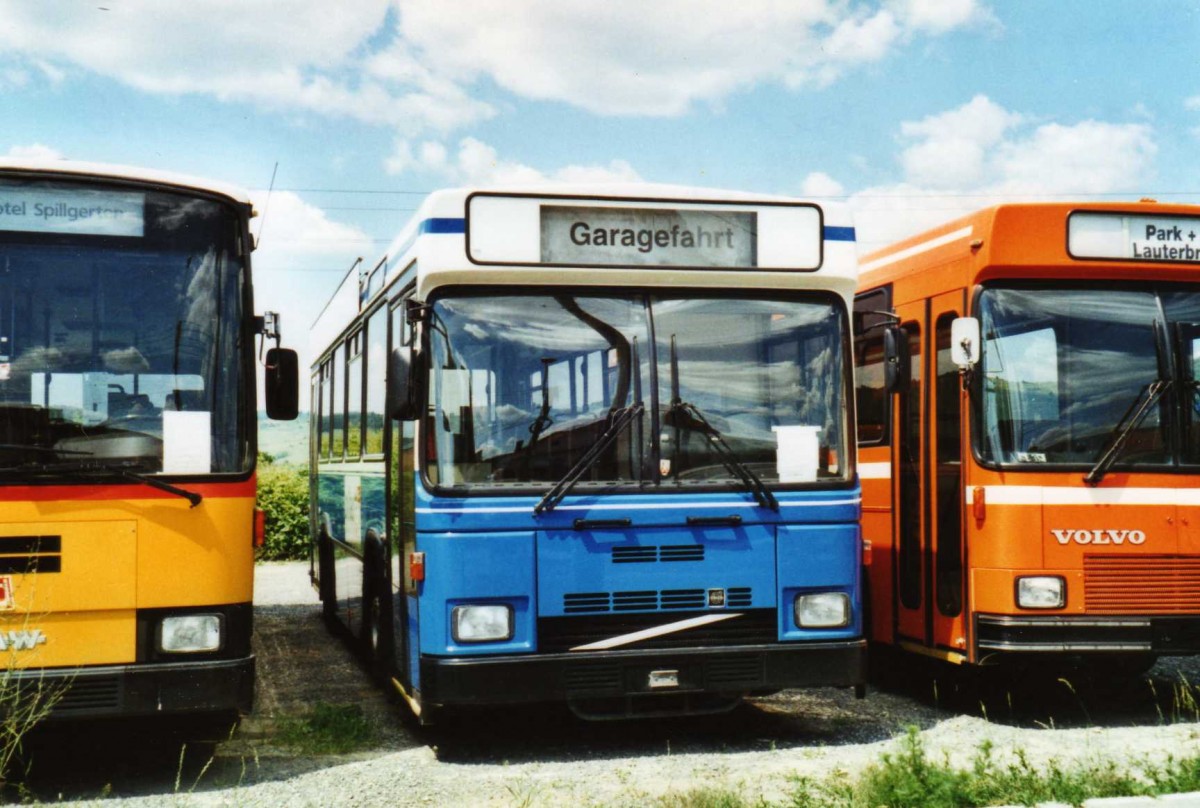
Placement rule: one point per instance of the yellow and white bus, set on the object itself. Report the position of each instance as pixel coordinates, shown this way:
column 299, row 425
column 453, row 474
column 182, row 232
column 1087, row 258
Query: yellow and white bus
column 127, row 439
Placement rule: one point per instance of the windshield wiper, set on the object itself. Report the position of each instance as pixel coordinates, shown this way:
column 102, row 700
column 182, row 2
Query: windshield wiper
column 621, row 419
column 1124, row 428
column 191, row 496
column 684, row 415
column 94, row 468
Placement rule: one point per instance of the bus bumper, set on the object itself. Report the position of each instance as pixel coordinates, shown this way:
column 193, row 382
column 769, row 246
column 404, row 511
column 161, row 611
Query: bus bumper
column 1162, row 635
column 557, row 677
column 160, row 688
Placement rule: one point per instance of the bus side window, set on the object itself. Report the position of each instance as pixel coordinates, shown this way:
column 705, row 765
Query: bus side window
column 354, row 396
column 872, row 402
column 377, row 354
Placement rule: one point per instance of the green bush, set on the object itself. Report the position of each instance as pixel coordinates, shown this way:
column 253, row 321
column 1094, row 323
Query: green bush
column 283, row 495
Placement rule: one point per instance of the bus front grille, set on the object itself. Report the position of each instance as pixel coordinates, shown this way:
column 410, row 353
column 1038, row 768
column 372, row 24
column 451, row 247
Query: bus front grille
column 1141, row 584
column 751, row 627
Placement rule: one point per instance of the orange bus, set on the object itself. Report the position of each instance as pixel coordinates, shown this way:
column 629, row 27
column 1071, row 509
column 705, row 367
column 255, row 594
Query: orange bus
column 1029, row 427
column 127, row 440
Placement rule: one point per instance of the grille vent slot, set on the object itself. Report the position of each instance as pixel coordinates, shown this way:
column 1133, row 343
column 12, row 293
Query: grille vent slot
column 649, row 600
column 91, row 693
column 634, row 601
column 634, row 555
column 734, row 671
column 651, row 554
column 681, row 552
column 23, row 555
column 683, row 599
column 591, row 678
column 738, row 597
column 586, row 602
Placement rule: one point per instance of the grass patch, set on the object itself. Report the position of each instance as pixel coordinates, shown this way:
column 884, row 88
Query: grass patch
column 706, row 798
column 327, row 729
column 910, row 778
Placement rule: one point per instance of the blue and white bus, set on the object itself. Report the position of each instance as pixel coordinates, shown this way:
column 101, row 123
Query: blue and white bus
column 594, row 445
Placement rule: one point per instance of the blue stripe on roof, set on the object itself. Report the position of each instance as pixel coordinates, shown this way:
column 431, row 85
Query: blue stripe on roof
column 443, row 226
column 446, row 225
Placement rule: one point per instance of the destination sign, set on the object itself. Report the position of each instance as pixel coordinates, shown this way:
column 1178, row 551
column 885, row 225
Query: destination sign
column 644, row 232
column 1134, row 238
column 661, row 237
column 75, row 211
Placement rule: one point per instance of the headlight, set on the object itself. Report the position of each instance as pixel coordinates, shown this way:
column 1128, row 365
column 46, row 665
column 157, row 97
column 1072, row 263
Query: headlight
column 190, row 634
column 1041, row 592
column 482, row 623
column 823, row 610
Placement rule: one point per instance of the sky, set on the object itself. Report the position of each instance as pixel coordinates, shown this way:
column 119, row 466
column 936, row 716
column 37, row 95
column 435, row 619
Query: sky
column 339, row 117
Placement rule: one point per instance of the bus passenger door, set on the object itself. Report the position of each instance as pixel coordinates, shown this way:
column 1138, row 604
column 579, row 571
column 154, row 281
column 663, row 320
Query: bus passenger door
column 402, row 524
column 928, row 480
column 946, row 595
column 911, row 537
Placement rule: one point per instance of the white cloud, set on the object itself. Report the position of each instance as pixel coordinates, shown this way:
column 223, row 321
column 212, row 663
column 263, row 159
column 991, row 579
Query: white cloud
column 940, row 16
column 289, row 229
column 302, row 256
column 865, row 40
column 13, row 78
column 951, row 147
column 1192, row 103
column 660, row 58
column 421, row 67
column 477, row 163
column 401, row 159
column 981, row 154
column 820, row 185
column 34, row 151
column 614, row 171
column 289, row 55
column 1091, row 157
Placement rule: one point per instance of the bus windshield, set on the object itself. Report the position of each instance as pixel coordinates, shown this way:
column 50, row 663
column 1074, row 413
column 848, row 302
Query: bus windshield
column 522, row 386
column 1068, row 370
column 121, row 345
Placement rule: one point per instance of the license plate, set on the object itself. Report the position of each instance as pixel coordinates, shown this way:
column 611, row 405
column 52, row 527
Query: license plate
column 659, row 679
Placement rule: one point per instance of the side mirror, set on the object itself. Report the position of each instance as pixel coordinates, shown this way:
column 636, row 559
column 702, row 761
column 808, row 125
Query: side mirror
column 401, row 401
column 282, row 384
column 964, row 342
column 895, row 358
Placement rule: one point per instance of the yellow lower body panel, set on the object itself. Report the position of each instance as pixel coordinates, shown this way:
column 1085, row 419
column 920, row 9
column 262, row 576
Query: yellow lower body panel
column 66, row 639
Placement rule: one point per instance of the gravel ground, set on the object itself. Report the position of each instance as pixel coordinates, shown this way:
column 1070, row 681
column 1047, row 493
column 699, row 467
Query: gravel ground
column 545, row 756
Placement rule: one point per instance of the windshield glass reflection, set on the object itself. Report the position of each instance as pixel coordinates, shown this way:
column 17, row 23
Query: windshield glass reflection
column 521, row 387
column 1063, row 367
column 125, row 352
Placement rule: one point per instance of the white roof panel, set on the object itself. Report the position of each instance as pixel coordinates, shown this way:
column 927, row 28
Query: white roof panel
column 8, row 164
